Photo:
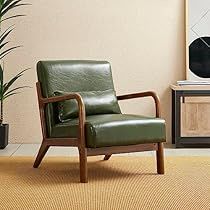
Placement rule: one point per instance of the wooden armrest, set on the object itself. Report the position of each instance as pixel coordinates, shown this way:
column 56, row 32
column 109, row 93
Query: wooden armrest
column 144, row 94
column 82, row 115
column 69, row 96
column 76, row 96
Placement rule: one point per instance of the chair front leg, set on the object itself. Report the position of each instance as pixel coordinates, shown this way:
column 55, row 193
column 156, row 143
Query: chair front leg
column 107, row 157
column 42, row 151
column 160, row 158
column 83, row 165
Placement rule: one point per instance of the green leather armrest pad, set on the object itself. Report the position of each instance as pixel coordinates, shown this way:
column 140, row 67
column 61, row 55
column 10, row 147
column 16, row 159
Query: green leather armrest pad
column 96, row 102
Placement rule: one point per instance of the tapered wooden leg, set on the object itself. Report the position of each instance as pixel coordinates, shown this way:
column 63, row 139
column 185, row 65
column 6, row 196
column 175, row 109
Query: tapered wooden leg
column 107, row 157
column 42, row 151
column 83, row 165
column 160, row 159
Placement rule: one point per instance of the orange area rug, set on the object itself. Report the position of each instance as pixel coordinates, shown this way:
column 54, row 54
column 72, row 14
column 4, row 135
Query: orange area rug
column 120, row 183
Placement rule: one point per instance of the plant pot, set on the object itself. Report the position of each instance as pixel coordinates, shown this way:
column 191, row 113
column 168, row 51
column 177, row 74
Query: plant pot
column 4, row 131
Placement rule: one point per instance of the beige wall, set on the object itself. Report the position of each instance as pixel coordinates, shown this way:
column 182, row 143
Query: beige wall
column 143, row 40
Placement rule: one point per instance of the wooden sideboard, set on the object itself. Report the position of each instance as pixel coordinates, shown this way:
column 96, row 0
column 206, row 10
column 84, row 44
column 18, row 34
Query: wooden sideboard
column 191, row 116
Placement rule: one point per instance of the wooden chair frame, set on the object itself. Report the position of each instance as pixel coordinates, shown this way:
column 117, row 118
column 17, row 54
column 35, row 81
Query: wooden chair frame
column 80, row 141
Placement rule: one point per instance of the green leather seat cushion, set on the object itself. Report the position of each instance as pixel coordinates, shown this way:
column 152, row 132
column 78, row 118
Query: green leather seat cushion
column 114, row 130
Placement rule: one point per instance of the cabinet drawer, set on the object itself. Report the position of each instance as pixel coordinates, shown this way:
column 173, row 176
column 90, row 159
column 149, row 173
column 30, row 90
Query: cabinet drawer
column 195, row 117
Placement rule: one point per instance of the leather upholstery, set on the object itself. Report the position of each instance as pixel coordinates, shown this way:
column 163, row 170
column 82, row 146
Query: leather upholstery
column 96, row 102
column 115, row 130
column 72, row 76
column 102, row 129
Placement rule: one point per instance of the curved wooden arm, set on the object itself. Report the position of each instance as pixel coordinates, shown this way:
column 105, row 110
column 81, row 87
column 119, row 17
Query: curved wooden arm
column 144, row 94
column 82, row 116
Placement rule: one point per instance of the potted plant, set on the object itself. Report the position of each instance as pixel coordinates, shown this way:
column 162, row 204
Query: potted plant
column 6, row 88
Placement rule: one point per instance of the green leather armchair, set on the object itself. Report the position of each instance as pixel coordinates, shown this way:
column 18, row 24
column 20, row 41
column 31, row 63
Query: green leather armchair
column 78, row 107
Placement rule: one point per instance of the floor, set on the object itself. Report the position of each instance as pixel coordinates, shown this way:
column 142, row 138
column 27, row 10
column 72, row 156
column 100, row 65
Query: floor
column 32, row 150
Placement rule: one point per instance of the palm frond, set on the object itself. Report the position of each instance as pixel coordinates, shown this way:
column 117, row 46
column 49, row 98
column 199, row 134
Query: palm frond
column 6, row 52
column 1, row 82
column 4, row 97
column 1, row 3
column 2, row 45
column 8, row 2
column 1, row 74
column 11, row 91
column 11, row 17
column 10, row 83
column 5, row 92
column 12, row 6
column 6, row 33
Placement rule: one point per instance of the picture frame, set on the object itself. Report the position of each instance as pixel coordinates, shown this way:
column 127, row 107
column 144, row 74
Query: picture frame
column 197, row 21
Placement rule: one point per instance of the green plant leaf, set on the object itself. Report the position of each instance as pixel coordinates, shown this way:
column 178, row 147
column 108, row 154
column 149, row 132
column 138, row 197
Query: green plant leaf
column 1, row 93
column 1, row 3
column 1, row 74
column 14, row 16
column 11, row 6
column 2, row 45
column 10, row 83
column 6, row 34
column 8, row 2
column 6, row 52
column 3, row 88
column 1, row 82
column 18, row 88
column 10, row 95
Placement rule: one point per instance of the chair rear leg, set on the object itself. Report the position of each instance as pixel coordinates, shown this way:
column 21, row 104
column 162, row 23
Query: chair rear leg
column 160, row 159
column 42, row 151
column 83, row 165
column 107, row 157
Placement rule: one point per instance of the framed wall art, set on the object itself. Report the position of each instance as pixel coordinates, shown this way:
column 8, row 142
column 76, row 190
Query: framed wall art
column 198, row 40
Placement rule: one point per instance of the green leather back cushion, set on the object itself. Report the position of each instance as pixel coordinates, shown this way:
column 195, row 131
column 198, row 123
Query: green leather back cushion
column 96, row 102
column 71, row 76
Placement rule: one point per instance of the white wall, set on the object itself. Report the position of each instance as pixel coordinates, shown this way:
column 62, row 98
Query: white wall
column 143, row 40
